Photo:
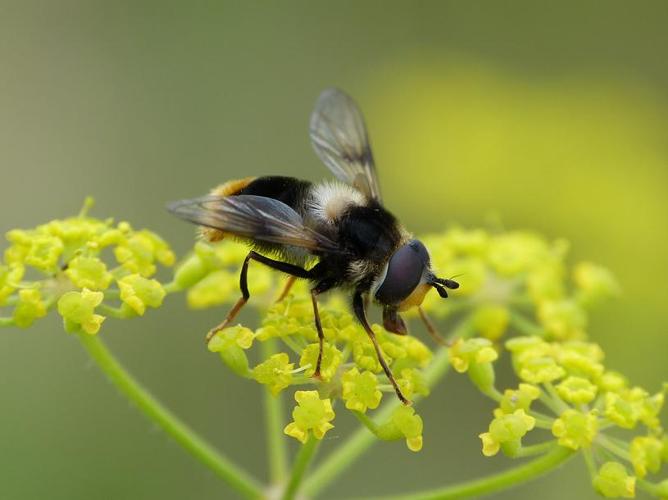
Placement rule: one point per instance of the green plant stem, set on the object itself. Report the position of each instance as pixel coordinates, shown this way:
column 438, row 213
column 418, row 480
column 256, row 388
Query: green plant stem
column 6, row 321
column 366, row 421
column 273, row 407
column 495, row 482
column 650, row 488
column 114, row 312
column 346, row 454
column 614, row 448
column 590, row 462
column 535, row 449
column 302, row 461
column 542, row 423
column 154, row 410
column 525, row 325
column 561, row 405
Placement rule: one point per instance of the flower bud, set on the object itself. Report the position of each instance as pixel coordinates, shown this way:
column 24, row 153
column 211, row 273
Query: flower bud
column 275, row 373
column 612, row 481
column 360, row 390
column 312, row 415
column 575, row 429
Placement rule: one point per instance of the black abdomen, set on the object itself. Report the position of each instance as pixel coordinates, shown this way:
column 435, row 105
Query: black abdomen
column 288, row 190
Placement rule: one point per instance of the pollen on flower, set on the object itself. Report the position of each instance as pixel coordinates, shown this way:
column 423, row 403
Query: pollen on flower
column 360, row 390
column 474, row 351
column 646, row 454
column 577, row 390
column 575, row 429
column 331, row 359
column 506, row 429
column 66, row 255
column 275, row 372
column 88, row 272
column 519, row 399
column 312, row 415
column 30, row 307
column 78, row 311
column 404, row 423
column 612, row 481
column 139, row 292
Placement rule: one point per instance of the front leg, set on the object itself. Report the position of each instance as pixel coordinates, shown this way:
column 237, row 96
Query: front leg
column 360, row 312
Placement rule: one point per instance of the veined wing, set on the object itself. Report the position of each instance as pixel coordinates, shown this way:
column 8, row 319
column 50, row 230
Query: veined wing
column 255, row 217
column 340, row 139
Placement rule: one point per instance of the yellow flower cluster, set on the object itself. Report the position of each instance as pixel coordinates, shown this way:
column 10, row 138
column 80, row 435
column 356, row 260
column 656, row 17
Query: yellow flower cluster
column 513, row 282
column 518, row 269
column 581, row 401
column 65, row 264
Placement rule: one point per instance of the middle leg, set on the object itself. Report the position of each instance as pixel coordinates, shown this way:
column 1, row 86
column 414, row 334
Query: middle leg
column 321, row 287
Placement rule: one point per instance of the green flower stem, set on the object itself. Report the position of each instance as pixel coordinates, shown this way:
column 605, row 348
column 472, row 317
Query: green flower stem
column 302, row 461
column 171, row 287
column 494, row 394
column 590, row 462
column 114, row 312
column 292, row 345
column 366, row 421
column 11, row 301
column 550, row 403
column 346, row 454
column 650, row 488
column 6, row 321
column 542, row 423
column 536, row 449
column 525, row 325
column 561, row 405
column 273, row 406
column 186, row 437
column 612, row 447
column 495, row 482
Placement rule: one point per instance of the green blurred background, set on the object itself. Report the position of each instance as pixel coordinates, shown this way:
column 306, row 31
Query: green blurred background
column 545, row 115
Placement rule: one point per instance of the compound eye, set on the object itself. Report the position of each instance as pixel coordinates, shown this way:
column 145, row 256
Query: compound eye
column 404, row 272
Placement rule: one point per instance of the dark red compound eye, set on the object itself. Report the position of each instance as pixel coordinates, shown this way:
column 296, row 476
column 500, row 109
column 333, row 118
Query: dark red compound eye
column 404, row 272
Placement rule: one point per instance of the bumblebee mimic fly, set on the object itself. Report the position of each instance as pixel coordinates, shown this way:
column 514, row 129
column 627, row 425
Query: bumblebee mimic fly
column 335, row 234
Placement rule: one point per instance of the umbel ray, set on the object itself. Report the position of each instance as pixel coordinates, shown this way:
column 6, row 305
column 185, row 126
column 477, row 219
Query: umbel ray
column 339, row 228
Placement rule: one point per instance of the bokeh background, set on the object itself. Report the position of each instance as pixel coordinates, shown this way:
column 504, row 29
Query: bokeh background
column 549, row 116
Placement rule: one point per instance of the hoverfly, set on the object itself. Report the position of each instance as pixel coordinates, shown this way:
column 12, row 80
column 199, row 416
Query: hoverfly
column 356, row 243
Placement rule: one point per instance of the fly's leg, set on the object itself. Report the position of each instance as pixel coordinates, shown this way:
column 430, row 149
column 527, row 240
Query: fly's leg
column 321, row 287
column 284, row 267
column 360, row 312
column 286, row 288
column 431, row 329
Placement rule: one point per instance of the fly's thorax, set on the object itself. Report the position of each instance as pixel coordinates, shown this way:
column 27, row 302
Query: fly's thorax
column 329, row 201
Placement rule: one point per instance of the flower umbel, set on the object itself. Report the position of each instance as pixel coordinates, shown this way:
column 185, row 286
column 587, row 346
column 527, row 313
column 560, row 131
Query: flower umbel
column 90, row 269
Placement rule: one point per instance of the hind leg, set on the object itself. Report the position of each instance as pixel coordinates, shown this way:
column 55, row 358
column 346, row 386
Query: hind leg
column 291, row 269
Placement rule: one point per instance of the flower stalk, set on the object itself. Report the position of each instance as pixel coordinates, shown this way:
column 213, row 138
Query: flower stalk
column 234, row 476
column 495, row 482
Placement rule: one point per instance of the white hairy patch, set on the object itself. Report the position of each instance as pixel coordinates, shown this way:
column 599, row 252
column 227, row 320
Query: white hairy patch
column 357, row 269
column 329, row 200
column 379, row 280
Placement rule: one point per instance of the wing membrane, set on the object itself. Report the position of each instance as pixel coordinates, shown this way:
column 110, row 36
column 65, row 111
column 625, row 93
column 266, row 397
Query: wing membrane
column 340, row 139
column 256, row 217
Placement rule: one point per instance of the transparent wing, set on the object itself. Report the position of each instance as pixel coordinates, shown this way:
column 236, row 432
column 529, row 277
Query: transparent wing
column 339, row 137
column 255, row 217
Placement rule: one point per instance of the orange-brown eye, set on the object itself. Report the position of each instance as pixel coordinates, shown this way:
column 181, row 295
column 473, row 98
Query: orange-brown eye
column 404, row 272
